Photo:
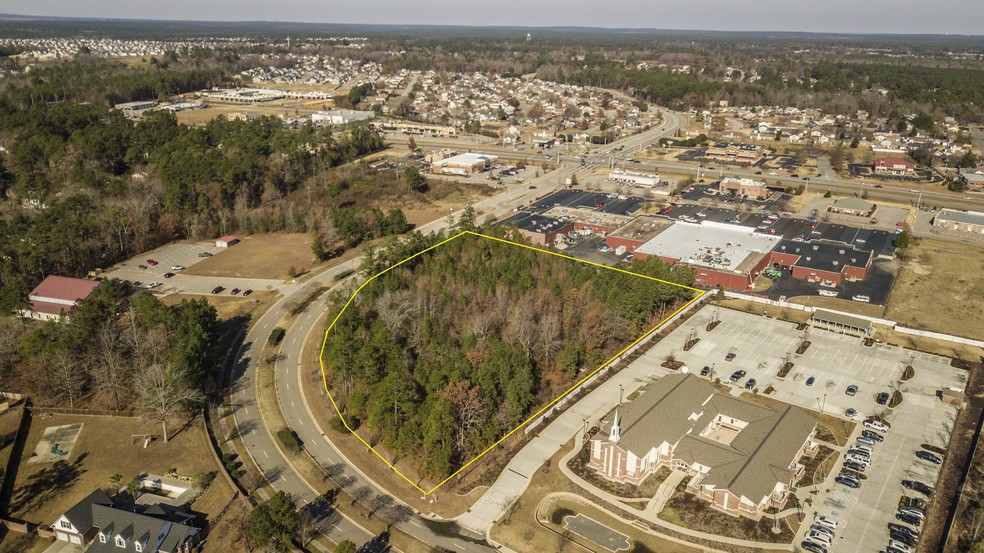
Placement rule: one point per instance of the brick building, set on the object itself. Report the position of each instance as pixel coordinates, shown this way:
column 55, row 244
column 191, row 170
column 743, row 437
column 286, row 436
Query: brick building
column 743, row 457
column 822, row 262
column 895, row 166
column 747, row 188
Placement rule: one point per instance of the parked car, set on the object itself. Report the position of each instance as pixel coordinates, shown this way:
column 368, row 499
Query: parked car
column 902, row 537
column 750, row 385
column 850, row 413
column 863, row 449
column 810, row 381
column 917, row 486
column 177, row 267
column 927, row 456
column 851, row 390
column 857, row 458
column 151, row 262
column 880, row 426
column 204, row 254
column 217, row 289
column 813, row 547
column 865, row 440
column 899, row 546
column 737, row 375
column 168, row 275
column 854, row 465
column 730, row 357
column 234, row 291
column 142, row 267
column 823, row 520
column 817, row 537
column 912, row 511
column 908, row 519
column 849, row 482
column 872, row 434
column 705, row 371
column 247, row 292
column 154, row 284
column 903, row 529
column 822, row 530
column 882, row 398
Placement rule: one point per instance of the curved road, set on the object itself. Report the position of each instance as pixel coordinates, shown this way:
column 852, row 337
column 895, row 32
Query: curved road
column 259, row 441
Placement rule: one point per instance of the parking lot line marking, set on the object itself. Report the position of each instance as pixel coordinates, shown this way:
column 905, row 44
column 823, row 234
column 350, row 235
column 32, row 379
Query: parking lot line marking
column 265, row 454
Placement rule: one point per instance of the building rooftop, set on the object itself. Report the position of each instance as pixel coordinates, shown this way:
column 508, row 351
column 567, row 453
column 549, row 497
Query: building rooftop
column 823, row 256
column 643, row 229
column 469, row 158
column 588, row 216
column 720, row 246
column 679, row 408
column 843, row 319
column 63, row 288
column 968, row 217
column 856, row 204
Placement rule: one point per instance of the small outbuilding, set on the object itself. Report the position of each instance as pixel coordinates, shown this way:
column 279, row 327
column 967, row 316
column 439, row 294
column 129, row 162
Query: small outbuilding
column 226, row 241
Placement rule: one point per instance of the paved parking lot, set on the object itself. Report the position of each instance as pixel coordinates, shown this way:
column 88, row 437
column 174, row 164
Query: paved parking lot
column 186, row 255
column 835, row 361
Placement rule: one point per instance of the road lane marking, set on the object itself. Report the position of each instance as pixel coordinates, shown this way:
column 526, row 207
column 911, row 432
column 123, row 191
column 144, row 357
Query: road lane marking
column 282, row 478
column 266, row 454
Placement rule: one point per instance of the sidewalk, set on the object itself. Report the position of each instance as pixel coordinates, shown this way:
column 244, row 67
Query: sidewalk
column 650, row 515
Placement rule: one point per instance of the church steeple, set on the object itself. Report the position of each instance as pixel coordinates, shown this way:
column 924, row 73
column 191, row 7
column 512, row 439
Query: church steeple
column 616, row 431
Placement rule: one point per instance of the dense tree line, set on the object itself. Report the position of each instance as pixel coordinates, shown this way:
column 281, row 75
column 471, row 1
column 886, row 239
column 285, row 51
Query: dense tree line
column 86, row 187
column 117, row 352
column 441, row 356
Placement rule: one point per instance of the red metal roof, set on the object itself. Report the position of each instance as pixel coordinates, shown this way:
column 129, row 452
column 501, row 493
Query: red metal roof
column 63, row 288
column 228, row 239
column 50, row 308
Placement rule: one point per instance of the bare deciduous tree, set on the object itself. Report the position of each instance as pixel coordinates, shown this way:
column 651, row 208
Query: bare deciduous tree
column 162, row 390
column 111, row 366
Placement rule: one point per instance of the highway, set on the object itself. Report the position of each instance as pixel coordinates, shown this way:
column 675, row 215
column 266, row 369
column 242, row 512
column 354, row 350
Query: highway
column 260, row 441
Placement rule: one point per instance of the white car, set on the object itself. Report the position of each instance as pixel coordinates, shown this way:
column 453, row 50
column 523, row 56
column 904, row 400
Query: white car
column 177, row 267
column 876, row 425
column 825, row 521
column 154, row 284
column 817, row 537
column 899, row 546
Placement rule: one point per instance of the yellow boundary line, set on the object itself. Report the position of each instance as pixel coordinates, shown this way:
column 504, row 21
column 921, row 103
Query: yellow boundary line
column 324, row 342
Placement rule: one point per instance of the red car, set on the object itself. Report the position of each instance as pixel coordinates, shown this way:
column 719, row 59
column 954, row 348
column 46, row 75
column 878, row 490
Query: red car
column 234, row 291
column 151, row 262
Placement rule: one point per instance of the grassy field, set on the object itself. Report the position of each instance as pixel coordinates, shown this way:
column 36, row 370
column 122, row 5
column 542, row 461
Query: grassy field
column 939, row 288
column 44, row 491
column 867, row 309
column 228, row 307
column 260, row 256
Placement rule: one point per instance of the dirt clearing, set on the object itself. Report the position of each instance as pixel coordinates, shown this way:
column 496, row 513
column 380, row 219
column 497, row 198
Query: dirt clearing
column 939, row 288
column 260, row 256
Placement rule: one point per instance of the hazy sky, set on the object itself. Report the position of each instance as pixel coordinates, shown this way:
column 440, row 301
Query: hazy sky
column 848, row 16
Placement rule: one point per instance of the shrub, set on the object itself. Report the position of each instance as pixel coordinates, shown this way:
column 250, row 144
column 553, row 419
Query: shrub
column 276, row 335
column 289, row 440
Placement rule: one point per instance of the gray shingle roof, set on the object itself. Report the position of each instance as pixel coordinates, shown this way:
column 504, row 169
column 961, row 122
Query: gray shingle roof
column 678, row 407
column 80, row 515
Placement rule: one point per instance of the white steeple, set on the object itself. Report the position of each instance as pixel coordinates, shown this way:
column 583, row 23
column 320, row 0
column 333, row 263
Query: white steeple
column 616, row 432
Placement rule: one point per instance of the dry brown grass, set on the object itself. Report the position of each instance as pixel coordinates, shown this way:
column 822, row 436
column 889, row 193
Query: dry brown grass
column 939, row 288
column 792, row 315
column 23, row 543
column 44, row 491
column 260, row 256
column 848, row 306
column 228, row 307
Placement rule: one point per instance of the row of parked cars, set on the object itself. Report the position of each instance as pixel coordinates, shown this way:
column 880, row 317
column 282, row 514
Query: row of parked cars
column 821, row 534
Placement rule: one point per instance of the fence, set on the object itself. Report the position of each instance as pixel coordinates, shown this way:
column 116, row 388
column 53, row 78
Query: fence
column 889, row 323
column 89, row 412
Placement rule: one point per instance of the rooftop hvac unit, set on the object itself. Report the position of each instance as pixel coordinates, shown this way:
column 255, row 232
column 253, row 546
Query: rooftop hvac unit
column 836, row 263
column 842, row 252
column 815, row 247
column 807, row 258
